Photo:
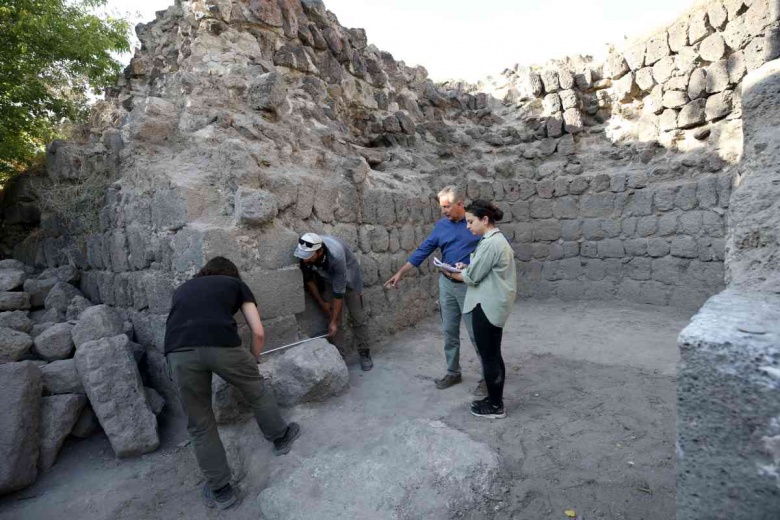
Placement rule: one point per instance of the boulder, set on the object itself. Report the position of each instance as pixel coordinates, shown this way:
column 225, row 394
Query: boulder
column 14, row 345
column 60, row 296
column 14, row 301
column 268, row 92
column 58, row 415
column 54, row 343
column 255, row 207
column 312, row 371
column 414, row 469
column 16, row 320
column 10, row 263
column 65, row 273
column 20, row 399
column 100, row 321
column 112, row 382
column 11, row 279
column 60, row 377
column 86, row 424
column 38, row 290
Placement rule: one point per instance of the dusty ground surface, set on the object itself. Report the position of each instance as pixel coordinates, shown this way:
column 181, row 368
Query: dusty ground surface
column 589, row 393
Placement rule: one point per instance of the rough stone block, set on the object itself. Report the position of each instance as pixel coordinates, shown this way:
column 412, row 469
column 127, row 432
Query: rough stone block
column 60, row 377
column 278, row 293
column 54, row 343
column 713, row 48
column 110, row 377
column 59, row 414
column 552, row 104
column 675, row 99
column 11, row 279
column 657, row 48
column 20, row 398
column 541, row 208
column 14, row 345
column 571, row 229
column 624, row 89
column 16, row 320
column 686, row 197
column 97, row 322
column 611, row 248
column 717, row 77
column 658, row 247
column 554, row 126
column 60, row 296
column 38, row 290
column 255, row 207
column 698, row 27
column 547, row 230
column 668, row 120
column 597, row 204
column 663, row 70
column 692, row 114
column 169, row 211
column 760, row 50
column 572, row 120
column 579, row 185
column 635, row 246
column 719, row 105
column 678, row 35
column 14, row 301
column 311, row 372
column 591, row 229
column 268, row 92
column 644, row 79
column 639, row 203
column 550, row 80
column 565, row 208
column 685, row 247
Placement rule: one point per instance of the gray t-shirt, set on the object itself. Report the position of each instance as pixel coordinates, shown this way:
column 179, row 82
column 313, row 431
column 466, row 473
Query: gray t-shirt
column 340, row 267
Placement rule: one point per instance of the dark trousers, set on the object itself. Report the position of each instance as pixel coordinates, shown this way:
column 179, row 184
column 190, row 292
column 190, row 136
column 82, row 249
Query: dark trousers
column 488, row 338
column 191, row 369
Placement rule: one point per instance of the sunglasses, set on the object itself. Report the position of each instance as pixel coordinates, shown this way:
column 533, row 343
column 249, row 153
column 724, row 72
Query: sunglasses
column 305, row 243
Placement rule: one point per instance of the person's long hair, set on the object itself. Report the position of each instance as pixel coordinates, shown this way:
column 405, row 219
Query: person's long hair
column 219, row 265
column 484, row 208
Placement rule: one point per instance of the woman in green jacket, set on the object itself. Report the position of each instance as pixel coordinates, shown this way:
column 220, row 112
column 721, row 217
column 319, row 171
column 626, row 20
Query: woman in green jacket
column 492, row 286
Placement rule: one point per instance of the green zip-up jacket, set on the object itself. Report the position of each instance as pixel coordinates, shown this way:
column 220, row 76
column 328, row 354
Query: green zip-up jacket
column 492, row 278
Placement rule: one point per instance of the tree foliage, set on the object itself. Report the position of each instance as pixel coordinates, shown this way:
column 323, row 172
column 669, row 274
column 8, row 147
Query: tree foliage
column 53, row 54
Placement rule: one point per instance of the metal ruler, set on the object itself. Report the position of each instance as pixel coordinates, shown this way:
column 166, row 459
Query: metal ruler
column 277, row 349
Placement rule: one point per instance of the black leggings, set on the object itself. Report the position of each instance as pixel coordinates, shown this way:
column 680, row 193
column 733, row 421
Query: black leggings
column 488, row 338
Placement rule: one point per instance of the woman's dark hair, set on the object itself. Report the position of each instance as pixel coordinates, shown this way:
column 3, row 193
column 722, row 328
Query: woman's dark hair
column 484, row 208
column 219, row 265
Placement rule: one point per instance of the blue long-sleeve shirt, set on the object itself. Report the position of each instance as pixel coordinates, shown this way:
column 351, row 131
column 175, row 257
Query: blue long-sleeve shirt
column 453, row 238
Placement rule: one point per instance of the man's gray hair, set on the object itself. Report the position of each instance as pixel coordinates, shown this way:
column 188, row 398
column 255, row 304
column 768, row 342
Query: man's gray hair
column 456, row 193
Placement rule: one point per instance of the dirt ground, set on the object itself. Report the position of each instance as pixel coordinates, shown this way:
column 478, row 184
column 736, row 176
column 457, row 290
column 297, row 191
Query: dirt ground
column 590, row 395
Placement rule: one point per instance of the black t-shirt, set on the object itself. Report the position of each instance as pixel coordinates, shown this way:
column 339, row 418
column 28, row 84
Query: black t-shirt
column 202, row 312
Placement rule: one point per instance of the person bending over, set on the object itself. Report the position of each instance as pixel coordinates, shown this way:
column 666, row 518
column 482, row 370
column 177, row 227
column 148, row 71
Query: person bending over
column 201, row 339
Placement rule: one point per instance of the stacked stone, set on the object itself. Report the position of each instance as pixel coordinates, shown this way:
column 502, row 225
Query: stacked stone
column 605, row 236
column 67, row 367
column 687, row 74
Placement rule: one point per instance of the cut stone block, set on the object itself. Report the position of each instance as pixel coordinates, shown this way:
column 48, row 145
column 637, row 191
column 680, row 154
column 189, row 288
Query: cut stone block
column 20, row 399
column 110, row 377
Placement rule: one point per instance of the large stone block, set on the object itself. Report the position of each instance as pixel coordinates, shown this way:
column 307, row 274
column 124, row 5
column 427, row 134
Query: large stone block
column 59, row 414
column 719, row 105
column 110, row 377
column 692, row 114
column 685, row 247
column 255, row 207
column 14, row 301
column 713, row 48
column 312, row 371
column 278, row 293
column 20, row 398
column 717, row 77
column 100, row 321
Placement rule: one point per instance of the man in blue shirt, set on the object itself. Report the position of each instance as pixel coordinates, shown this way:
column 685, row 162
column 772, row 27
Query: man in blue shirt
column 456, row 242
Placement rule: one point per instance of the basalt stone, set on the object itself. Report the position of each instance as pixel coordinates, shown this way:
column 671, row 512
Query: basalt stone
column 17, row 320
column 54, row 343
column 14, row 301
column 14, row 345
column 59, row 414
column 11, row 279
column 20, row 398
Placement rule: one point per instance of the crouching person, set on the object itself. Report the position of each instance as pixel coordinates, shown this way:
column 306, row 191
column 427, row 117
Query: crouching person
column 201, row 339
column 329, row 260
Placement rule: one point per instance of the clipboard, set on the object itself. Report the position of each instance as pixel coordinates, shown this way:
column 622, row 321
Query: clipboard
column 447, row 267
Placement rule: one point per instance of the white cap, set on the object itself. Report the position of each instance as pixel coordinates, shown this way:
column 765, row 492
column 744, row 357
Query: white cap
column 308, row 244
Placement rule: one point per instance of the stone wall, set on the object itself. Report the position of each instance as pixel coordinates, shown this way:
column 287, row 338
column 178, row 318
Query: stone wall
column 729, row 381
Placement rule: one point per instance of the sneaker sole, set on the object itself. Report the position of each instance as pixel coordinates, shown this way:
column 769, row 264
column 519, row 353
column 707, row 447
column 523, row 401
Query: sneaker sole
column 287, row 448
column 489, row 416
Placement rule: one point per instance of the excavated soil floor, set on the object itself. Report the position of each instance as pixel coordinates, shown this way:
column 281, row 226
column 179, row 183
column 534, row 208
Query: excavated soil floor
column 590, row 394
